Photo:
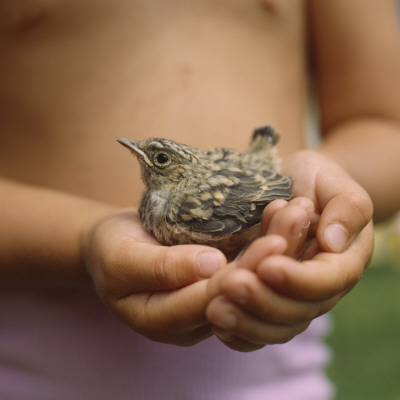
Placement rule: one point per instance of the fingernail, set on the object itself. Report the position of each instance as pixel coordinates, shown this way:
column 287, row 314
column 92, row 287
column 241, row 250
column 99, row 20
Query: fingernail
column 335, row 237
column 300, row 228
column 209, row 262
column 226, row 321
column 222, row 335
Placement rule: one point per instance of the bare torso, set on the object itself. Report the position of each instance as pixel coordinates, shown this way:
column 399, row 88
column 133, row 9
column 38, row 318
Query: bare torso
column 75, row 74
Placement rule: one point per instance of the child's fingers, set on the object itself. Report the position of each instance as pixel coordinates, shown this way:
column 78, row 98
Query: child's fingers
column 324, row 276
column 252, row 296
column 172, row 317
column 235, row 322
column 269, row 211
column 261, row 248
column 290, row 221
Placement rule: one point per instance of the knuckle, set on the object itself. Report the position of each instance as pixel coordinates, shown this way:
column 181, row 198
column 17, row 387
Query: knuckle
column 161, row 271
column 361, row 202
column 327, row 305
column 165, row 269
column 157, row 328
column 150, row 329
column 141, row 316
column 287, row 334
column 269, row 312
column 314, row 310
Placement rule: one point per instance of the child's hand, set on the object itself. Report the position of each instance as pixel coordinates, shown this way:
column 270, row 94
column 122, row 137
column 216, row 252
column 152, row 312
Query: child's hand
column 270, row 295
column 158, row 291
column 342, row 207
column 262, row 316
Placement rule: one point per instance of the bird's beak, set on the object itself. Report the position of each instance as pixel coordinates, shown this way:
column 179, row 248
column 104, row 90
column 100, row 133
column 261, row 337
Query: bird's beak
column 133, row 146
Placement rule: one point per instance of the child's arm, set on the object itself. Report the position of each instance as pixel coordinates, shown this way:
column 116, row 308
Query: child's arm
column 40, row 234
column 357, row 58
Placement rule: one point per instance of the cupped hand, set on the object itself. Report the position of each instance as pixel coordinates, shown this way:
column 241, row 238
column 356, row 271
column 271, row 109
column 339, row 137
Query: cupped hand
column 342, row 207
column 314, row 251
column 158, row 291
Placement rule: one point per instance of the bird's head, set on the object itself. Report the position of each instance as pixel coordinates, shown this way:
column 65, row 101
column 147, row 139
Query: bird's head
column 163, row 162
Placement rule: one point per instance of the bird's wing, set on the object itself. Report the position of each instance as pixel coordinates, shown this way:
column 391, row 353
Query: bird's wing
column 227, row 204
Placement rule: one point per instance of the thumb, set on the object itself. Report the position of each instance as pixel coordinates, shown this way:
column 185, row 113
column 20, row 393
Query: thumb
column 148, row 267
column 344, row 216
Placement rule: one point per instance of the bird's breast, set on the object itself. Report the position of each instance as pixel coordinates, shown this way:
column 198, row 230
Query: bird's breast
column 153, row 209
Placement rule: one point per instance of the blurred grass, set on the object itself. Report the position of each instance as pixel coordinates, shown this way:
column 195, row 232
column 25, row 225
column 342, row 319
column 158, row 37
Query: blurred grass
column 366, row 330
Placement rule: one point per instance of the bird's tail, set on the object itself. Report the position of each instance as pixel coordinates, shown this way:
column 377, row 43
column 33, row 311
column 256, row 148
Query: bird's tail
column 263, row 139
column 262, row 150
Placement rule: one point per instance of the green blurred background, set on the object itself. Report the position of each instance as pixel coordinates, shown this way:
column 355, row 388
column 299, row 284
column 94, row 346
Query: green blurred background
column 365, row 339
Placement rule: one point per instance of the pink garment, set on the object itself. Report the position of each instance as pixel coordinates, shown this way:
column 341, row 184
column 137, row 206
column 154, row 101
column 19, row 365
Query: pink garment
column 65, row 345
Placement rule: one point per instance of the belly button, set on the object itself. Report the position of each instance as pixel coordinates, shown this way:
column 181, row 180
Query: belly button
column 185, row 73
column 269, row 5
column 185, row 69
column 29, row 17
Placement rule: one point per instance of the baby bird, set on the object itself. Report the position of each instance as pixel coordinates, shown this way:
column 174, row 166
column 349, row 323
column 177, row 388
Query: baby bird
column 214, row 197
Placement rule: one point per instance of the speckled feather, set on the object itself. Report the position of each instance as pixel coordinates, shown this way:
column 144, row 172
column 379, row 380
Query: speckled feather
column 208, row 197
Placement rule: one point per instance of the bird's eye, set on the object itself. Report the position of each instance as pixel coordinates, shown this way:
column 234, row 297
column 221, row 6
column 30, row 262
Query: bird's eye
column 162, row 159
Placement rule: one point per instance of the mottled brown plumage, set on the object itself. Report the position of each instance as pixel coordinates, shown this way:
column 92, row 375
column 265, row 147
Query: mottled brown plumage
column 214, row 197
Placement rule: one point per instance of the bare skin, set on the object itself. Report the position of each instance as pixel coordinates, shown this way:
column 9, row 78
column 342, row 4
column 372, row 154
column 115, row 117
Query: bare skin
column 159, row 85
column 203, row 73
